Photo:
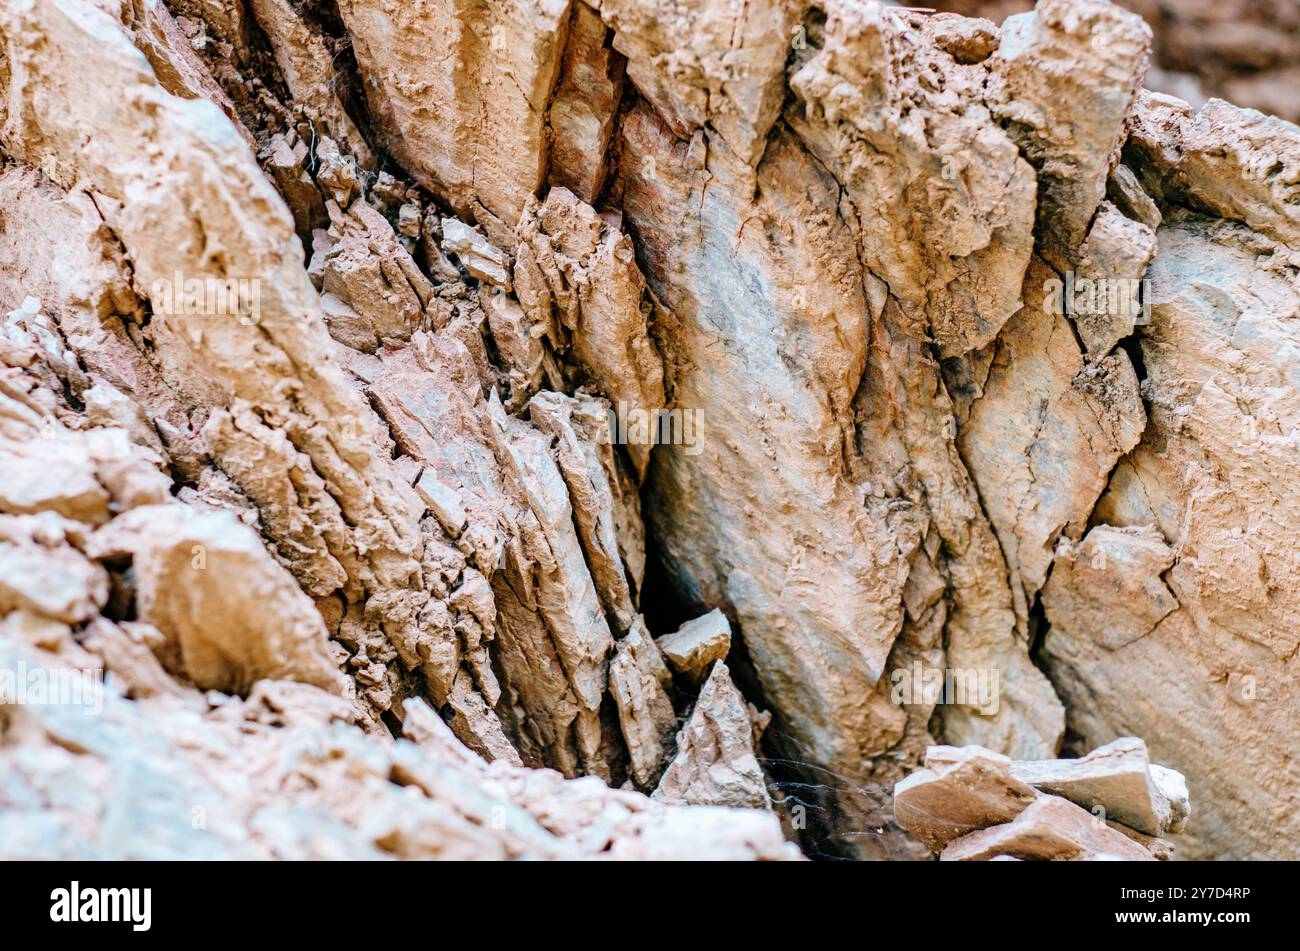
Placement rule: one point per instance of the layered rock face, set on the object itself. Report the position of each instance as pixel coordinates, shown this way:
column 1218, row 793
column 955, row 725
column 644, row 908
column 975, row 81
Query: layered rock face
column 548, row 428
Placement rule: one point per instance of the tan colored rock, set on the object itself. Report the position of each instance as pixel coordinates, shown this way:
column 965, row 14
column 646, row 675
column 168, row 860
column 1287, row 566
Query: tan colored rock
column 1162, row 849
column 1112, row 585
column 1050, row 829
column 1120, row 779
column 232, row 762
column 553, row 640
column 130, row 651
column 230, row 613
column 470, row 124
column 1127, row 194
column 703, row 63
column 480, row 258
column 1210, row 680
column 207, row 192
column 41, row 572
column 1212, row 157
column 1113, row 260
column 959, row 197
column 1042, row 439
column 715, row 763
column 771, row 556
column 583, row 108
column 577, row 426
column 961, row 790
column 639, row 682
column 1049, row 62
column 695, row 645
column 50, row 473
column 827, row 246
column 582, row 286
column 369, row 271
column 308, row 67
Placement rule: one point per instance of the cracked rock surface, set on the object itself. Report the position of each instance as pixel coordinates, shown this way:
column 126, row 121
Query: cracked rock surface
column 638, row 429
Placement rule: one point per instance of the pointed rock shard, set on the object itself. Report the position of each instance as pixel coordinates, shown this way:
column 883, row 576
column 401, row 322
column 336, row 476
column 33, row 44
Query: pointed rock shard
column 1051, row 828
column 1125, row 191
column 961, row 790
column 578, row 276
column 639, row 682
column 474, row 724
column 587, row 465
column 1117, row 777
column 583, row 109
column 696, row 644
column 715, row 763
column 443, row 501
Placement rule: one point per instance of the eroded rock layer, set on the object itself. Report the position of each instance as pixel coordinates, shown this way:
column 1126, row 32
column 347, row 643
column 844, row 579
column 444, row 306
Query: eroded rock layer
column 690, row 414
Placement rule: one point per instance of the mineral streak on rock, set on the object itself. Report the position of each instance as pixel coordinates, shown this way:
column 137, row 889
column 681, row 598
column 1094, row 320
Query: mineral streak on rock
column 320, row 329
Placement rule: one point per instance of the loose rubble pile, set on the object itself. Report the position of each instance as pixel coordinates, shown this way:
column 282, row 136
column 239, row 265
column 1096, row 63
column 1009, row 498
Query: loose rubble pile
column 971, row 804
column 560, row 446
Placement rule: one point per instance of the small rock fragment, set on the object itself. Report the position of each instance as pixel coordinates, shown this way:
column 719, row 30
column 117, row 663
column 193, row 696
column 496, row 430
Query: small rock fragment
column 443, row 502
column 482, row 259
column 696, row 644
column 233, row 614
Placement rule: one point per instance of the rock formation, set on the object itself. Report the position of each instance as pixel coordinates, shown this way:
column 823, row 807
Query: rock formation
column 643, row 430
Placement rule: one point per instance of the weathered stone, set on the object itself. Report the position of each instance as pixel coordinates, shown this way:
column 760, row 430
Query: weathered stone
column 1049, row 829
column 469, row 124
column 839, row 298
column 1119, row 778
column 1111, row 584
column 1112, row 260
column 640, row 682
column 1046, row 432
column 704, row 63
column 715, row 763
column 232, row 616
column 695, row 645
column 1196, row 619
column 1065, row 53
column 583, row 108
column 476, row 253
column 959, row 791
